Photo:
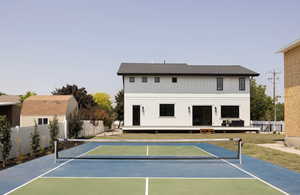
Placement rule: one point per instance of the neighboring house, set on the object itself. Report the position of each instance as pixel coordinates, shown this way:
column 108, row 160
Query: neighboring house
column 10, row 107
column 292, row 93
column 43, row 109
column 185, row 97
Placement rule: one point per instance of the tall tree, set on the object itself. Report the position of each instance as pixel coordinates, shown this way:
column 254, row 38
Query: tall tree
column 280, row 112
column 119, row 108
column 54, row 130
column 5, row 141
column 103, row 100
column 26, row 95
column 85, row 101
column 261, row 103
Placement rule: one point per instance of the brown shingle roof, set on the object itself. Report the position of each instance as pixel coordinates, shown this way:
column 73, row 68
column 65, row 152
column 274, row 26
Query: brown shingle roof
column 46, row 105
column 9, row 99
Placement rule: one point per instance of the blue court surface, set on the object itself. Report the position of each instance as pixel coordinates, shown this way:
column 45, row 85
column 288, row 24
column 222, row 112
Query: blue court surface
column 148, row 177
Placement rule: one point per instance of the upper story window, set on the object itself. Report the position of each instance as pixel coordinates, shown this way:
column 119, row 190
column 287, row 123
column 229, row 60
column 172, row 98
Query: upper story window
column 156, row 79
column 242, row 84
column 166, row 110
column 144, row 79
column 220, row 84
column 42, row 121
column 174, row 79
column 131, row 79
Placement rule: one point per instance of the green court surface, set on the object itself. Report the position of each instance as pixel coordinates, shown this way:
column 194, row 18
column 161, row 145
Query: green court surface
column 148, row 150
column 142, row 186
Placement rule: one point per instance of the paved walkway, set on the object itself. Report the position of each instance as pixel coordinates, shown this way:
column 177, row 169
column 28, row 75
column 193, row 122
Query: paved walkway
column 281, row 147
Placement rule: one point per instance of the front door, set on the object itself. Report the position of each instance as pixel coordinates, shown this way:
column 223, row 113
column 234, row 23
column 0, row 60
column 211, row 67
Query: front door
column 202, row 115
column 136, row 115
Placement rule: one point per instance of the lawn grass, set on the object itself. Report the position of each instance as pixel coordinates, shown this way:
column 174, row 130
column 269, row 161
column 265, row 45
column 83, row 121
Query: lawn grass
column 284, row 159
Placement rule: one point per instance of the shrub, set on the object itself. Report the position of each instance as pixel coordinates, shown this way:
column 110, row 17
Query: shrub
column 54, row 129
column 5, row 142
column 74, row 126
column 35, row 140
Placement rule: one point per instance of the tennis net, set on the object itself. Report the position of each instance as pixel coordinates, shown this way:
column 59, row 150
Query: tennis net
column 150, row 149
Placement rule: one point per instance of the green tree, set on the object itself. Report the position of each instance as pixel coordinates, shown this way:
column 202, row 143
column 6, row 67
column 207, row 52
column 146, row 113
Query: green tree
column 103, row 100
column 85, row 101
column 74, row 125
column 280, row 112
column 261, row 104
column 35, row 140
column 119, row 108
column 5, row 142
column 54, row 130
column 26, row 95
column 2, row 93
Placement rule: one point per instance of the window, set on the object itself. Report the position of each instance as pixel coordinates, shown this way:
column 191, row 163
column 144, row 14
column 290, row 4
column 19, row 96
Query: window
column 156, row 79
column 242, row 84
column 144, row 79
column 42, row 121
column 230, row 111
column 174, row 79
column 220, row 84
column 131, row 79
column 45, row 121
column 166, row 110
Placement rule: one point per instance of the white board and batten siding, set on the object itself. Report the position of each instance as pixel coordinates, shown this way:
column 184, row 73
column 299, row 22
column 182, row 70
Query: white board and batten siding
column 187, row 92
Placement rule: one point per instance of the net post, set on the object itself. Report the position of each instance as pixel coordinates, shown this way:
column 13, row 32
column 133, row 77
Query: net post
column 240, row 150
column 55, row 151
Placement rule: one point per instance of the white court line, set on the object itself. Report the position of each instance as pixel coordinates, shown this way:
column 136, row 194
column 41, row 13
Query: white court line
column 47, row 172
column 183, row 178
column 147, row 151
column 248, row 173
column 146, row 185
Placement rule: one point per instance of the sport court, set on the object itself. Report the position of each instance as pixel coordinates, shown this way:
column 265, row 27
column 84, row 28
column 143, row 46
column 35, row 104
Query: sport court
column 90, row 175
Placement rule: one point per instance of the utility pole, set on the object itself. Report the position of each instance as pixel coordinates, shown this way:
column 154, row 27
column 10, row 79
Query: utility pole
column 273, row 78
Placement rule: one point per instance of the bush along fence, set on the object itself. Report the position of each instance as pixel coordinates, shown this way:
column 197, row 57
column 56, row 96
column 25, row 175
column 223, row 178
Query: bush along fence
column 34, row 139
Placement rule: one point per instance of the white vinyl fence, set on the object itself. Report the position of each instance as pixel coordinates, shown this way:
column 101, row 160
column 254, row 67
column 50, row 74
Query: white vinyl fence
column 91, row 128
column 268, row 126
column 21, row 136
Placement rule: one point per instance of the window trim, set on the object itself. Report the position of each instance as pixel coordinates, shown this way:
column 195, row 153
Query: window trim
column 41, row 121
column 221, row 88
column 160, row 112
column 242, row 87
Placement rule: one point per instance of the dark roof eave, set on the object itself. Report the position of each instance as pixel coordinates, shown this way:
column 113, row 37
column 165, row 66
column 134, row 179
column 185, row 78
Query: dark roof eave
column 193, row 74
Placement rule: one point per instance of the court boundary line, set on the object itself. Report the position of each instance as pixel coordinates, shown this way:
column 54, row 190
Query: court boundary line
column 146, row 185
column 49, row 171
column 247, row 172
column 183, row 178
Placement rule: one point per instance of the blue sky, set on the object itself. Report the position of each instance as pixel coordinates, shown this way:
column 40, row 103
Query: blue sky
column 47, row 44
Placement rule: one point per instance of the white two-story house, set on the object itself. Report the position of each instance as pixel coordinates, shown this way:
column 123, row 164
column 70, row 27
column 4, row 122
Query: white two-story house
column 185, row 97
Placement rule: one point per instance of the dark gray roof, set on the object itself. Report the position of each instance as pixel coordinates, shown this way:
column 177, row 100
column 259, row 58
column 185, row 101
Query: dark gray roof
column 183, row 69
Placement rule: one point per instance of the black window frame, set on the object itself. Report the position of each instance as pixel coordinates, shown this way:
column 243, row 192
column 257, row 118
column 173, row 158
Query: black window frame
column 242, row 85
column 174, row 80
column 156, row 79
column 131, row 79
column 167, row 110
column 40, row 121
column 144, row 79
column 235, row 113
column 220, row 88
column 45, row 121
